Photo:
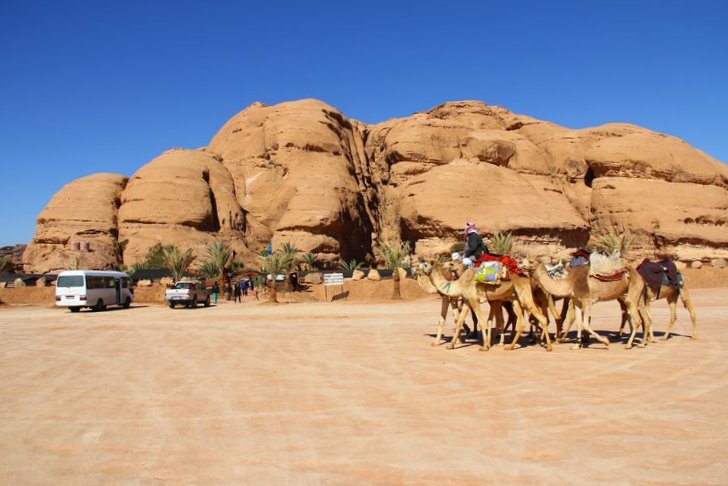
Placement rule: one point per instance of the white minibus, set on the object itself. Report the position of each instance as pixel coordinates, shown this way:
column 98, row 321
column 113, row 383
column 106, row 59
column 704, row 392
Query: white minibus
column 93, row 288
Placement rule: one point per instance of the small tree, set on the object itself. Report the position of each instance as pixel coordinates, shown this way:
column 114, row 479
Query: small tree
column 394, row 256
column 502, row 243
column 178, row 262
column 275, row 263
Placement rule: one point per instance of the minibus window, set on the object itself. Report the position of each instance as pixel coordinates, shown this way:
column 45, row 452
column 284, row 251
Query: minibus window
column 70, row 281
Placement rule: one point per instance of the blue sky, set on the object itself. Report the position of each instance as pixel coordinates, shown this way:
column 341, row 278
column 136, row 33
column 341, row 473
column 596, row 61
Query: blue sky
column 104, row 86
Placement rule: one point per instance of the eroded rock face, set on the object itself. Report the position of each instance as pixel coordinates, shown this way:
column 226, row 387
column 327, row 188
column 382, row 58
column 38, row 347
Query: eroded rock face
column 78, row 227
column 295, row 171
column 183, row 197
column 303, row 173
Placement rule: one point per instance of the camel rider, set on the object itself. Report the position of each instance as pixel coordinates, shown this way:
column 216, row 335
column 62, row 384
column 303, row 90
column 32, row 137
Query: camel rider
column 474, row 246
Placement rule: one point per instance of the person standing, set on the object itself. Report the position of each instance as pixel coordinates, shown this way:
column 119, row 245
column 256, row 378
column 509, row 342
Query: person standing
column 238, row 293
column 215, row 292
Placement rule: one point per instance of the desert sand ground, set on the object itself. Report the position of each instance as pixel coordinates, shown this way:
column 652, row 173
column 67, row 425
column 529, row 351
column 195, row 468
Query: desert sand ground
column 352, row 393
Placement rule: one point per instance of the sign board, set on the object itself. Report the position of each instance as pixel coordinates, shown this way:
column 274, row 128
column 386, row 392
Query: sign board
column 333, row 279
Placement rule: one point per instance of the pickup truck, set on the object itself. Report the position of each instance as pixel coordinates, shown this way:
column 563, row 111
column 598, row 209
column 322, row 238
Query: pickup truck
column 188, row 294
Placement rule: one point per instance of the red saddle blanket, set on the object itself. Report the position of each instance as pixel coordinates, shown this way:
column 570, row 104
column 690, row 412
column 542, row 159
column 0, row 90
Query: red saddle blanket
column 609, row 278
column 508, row 262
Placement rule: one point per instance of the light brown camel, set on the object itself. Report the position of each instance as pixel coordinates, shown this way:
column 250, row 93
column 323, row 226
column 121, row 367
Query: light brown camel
column 670, row 294
column 517, row 291
column 585, row 290
column 454, row 303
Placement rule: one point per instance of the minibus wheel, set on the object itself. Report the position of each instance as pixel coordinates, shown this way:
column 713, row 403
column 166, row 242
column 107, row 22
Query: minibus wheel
column 127, row 303
column 75, row 309
column 99, row 305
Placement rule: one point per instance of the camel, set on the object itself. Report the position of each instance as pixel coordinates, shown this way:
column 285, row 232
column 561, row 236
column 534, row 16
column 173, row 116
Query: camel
column 517, row 291
column 671, row 294
column 454, row 303
column 586, row 290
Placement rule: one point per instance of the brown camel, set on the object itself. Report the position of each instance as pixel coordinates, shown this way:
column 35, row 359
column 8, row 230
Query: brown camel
column 517, row 291
column 585, row 290
column 670, row 294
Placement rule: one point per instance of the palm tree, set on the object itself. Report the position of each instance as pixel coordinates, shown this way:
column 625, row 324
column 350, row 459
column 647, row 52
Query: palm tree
column 290, row 249
column 275, row 263
column 178, row 262
column 393, row 255
column 309, row 260
column 219, row 257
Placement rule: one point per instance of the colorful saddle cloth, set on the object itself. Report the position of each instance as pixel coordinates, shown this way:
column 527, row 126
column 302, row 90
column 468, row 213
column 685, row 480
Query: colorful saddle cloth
column 506, row 267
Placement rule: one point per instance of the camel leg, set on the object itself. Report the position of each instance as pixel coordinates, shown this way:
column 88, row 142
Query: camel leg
column 624, row 319
column 458, row 326
column 512, row 319
column 586, row 316
column 474, row 304
column 672, row 303
column 646, row 316
column 519, row 324
column 554, row 312
column 572, row 309
column 579, row 343
column 688, row 304
column 496, row 312
column 542, row 321
column 545, row 332
column 444, row 307
column 474, row 333
column 635, row 321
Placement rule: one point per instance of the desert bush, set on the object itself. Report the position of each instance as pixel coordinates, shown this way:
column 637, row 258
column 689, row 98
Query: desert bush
column 6, row 264
column 350, row 266
column 614, row 239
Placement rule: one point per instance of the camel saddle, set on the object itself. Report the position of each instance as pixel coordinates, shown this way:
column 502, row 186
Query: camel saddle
column 657, row 274
column 606, row 268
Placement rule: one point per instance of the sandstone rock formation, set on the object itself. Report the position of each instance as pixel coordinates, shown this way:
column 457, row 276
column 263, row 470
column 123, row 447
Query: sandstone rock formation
column 183, row 197
column 78, row 228
column 301, row 172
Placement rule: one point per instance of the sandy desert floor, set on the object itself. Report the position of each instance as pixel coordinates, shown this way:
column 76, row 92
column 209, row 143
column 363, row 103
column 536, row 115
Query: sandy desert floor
column 352, row 393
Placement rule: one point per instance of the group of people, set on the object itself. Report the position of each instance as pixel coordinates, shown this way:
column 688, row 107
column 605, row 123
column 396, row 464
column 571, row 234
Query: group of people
column 235, row 291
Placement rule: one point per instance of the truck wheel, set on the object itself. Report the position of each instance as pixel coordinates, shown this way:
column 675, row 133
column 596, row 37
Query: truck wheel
column 127, row 303
column 207, row 301
column 172, row 304
column 193, row 303
column 75, row 309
